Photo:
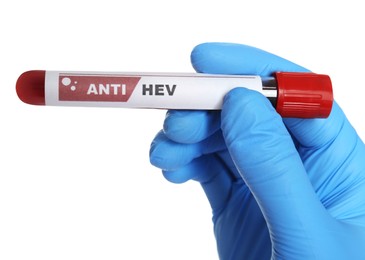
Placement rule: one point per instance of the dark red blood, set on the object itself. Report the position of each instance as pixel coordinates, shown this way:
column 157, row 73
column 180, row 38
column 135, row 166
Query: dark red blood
column 30, row 87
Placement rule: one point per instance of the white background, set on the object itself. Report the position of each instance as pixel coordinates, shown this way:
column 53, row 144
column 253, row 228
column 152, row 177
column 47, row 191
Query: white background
column 76, row 183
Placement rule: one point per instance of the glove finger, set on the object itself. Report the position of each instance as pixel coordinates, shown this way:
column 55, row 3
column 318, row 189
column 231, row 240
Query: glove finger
column 267, row 159
column 169, row 155
column 315, row 133
column 230, row 58
column 185, row 126
column 212, row 175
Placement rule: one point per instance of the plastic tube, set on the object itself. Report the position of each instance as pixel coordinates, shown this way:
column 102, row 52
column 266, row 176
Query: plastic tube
column 303, row 95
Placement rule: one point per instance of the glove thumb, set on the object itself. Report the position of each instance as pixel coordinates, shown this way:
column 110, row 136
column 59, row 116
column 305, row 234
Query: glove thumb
column 268, row 162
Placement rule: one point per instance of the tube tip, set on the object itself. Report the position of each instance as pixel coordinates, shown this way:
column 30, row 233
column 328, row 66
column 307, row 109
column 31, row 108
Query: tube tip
column 30, row 87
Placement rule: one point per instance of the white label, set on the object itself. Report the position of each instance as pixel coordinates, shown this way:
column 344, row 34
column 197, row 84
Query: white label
column 143, row 90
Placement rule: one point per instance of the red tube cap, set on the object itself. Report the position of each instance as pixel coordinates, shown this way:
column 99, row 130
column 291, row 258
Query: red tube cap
column 304, row 95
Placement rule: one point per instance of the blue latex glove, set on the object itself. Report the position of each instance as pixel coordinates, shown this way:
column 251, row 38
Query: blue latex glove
column 286, row 189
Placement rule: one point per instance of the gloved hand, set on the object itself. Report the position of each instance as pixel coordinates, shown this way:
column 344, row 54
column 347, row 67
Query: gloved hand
column 281, row 188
